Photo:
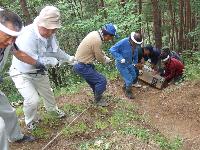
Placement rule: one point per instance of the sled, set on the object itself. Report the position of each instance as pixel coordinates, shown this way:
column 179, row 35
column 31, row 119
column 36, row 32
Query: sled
column 154, row 80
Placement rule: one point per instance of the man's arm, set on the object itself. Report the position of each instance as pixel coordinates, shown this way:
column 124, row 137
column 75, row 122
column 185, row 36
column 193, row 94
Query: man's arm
column 98, row 52
column 24, row 57
column 170, row 75
column 114, row 50
column 135, row 56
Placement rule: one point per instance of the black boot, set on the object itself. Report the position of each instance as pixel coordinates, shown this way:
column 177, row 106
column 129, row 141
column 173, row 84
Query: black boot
column 124, row 87
column 128, row 93
column 99, row 101
column 26, row 139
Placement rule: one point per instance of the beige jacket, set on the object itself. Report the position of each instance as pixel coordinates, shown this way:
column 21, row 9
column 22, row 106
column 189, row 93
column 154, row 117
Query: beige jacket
column 90, row 50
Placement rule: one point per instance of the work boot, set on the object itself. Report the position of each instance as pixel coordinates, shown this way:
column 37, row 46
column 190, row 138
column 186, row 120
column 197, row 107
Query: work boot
column 26, row 139
column 124, row 87
column 58, row 113
column 128, row 93
column 99, row 101
column 31, row 125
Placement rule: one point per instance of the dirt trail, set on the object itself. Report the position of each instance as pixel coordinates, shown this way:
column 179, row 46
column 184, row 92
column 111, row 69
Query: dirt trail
column 174, row 111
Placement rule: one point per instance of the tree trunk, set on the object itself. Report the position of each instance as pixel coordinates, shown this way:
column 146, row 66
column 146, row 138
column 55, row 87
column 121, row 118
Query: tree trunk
column 122, row 3
column 148, row 32
column 181, row 3
column 157, row 23
column 140, row 12
column 102, row 6
column 172, row 23
column 188, row 22
column 25, row 11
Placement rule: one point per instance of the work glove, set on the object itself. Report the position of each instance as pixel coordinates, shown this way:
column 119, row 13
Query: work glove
column 107, row 60
column 72, row 60
column 147, row 68
column 41, row 68
column 48, row 61
column 123, row 61
column 140, row 72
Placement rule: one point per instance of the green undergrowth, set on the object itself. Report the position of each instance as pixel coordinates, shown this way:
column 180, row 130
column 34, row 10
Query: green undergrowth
column 121, row 118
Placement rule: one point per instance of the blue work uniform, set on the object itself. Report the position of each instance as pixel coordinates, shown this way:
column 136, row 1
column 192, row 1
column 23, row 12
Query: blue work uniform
column 124, row 50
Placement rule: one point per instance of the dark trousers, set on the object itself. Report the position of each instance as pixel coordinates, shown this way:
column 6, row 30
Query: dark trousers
column 96, row 80
column 137, row 74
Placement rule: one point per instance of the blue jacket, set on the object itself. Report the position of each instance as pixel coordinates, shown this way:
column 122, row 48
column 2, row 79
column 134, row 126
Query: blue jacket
column 123, row 50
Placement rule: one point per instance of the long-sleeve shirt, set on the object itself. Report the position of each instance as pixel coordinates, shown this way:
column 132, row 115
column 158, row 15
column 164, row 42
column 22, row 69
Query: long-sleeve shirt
column 90, row 50
column 154, row 56
column 38, row 47
column 4, row 52
column 124, row 50
column 173, row 68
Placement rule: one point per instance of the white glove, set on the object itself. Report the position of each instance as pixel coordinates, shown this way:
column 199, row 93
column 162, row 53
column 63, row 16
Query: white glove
column 147, row 68
column 107, row 59
column 72, row 60
column 140, row 72
column 123, row 61
column 48, row 61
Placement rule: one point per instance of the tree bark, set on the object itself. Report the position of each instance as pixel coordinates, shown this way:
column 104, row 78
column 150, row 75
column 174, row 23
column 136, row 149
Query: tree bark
column 25, row 11
column 188, row 22
column 181, row 4
column 122, row 3
column 172, row 24
column 140, row 12
column 102, row 6
column 157, row 23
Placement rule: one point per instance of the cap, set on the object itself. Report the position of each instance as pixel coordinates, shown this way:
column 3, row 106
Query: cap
column 49, row 18
column 111, row 29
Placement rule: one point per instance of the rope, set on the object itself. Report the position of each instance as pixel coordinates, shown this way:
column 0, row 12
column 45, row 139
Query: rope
column 59, row 133
column 25, row 73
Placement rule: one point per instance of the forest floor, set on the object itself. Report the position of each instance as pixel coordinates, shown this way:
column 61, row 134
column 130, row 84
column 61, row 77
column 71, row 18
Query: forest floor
column 166, row 119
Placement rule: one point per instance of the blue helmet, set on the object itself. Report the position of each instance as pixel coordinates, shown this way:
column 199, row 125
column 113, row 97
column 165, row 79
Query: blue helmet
column 111, row 29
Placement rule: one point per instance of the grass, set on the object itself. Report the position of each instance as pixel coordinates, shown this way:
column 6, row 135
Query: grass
column 140, row 133
column 101, row 125
column 19, row 111
column 78, row 128
column 122, row 118
column 69, row 90
column 73, row 109
column 165, row 144
column 40, row 132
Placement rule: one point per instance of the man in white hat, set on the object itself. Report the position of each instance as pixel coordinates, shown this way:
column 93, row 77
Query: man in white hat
column 125, row 53
column 10, row 26
column 39, row 41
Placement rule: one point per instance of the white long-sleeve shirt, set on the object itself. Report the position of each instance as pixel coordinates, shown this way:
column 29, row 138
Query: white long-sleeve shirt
column 36, row 46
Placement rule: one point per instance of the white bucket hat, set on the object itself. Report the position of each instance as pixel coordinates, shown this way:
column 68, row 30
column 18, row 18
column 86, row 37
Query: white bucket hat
column 49, row 18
